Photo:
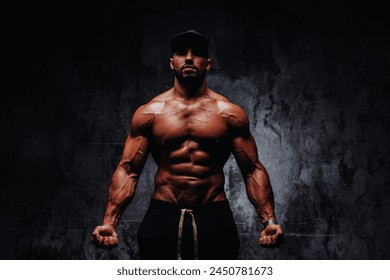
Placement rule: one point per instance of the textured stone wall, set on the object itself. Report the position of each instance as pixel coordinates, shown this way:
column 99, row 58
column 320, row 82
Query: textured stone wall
column 313, row 80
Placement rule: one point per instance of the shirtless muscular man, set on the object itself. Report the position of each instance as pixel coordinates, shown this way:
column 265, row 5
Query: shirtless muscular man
column 190, row 131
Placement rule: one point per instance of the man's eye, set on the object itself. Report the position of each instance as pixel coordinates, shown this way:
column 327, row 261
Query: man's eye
column 180, row 52
column 199, row 52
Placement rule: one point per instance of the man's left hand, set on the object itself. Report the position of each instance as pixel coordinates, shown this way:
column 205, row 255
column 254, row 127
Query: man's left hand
column 271, row 236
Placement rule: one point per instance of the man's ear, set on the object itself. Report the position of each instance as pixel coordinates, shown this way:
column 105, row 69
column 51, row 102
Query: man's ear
column 171, row 63
column 208, row 67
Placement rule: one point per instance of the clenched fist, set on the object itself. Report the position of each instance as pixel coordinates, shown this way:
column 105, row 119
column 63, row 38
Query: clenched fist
column 105, row 235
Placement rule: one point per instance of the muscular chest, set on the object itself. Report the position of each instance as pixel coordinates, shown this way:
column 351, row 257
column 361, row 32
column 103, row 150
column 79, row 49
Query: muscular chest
column 199, row 121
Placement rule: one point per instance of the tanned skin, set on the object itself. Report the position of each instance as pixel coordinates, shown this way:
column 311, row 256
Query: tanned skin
column 190, row 131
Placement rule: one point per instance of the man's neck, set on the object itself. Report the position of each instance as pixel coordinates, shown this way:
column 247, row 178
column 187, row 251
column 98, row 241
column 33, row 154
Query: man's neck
column 185, row 92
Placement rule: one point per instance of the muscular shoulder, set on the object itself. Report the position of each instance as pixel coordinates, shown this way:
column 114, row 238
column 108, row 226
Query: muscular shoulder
column 235, row 116
column 143, row 117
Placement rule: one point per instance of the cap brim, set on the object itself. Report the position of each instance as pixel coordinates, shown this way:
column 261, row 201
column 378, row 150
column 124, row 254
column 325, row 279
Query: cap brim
column 190, row 39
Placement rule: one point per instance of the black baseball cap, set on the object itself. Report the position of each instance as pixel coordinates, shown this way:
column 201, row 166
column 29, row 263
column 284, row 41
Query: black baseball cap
column 191, row 39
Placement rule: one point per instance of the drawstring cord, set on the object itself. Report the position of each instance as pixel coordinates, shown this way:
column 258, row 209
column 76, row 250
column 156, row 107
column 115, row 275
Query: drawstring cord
column 180, row 233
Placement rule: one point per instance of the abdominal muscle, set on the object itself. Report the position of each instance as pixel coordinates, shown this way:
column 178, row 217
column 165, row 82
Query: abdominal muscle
column 188, row 177
column 188, row 190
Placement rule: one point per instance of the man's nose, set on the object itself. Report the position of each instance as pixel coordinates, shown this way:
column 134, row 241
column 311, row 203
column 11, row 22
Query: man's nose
column 189, row 57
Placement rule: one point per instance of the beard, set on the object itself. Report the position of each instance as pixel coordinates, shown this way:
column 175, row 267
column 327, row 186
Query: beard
column 192, row 80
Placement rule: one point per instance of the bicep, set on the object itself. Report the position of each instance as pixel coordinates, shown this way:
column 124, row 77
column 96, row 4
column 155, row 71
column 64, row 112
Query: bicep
column 136, row 148
column 245, row 153
column 135, row 153
column 243, row 144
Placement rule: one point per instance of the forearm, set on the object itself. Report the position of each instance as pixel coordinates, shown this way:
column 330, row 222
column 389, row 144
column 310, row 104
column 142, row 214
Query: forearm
column 260, row 192
column 121, row 192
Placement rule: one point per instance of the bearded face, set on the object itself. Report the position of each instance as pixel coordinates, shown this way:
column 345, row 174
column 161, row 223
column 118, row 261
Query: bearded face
column 190, row 75
column 190, row 66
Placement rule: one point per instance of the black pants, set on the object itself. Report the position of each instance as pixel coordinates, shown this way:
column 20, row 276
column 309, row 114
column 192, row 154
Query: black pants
column 216, row 230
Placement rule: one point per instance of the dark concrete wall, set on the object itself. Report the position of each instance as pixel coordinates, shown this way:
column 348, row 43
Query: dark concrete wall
column 312, row 78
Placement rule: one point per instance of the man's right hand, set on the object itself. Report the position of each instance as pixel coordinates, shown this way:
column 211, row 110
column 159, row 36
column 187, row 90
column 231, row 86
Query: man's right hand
column 105, row 235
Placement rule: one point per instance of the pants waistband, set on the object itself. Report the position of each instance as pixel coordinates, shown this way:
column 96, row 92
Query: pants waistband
column 208, row 208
